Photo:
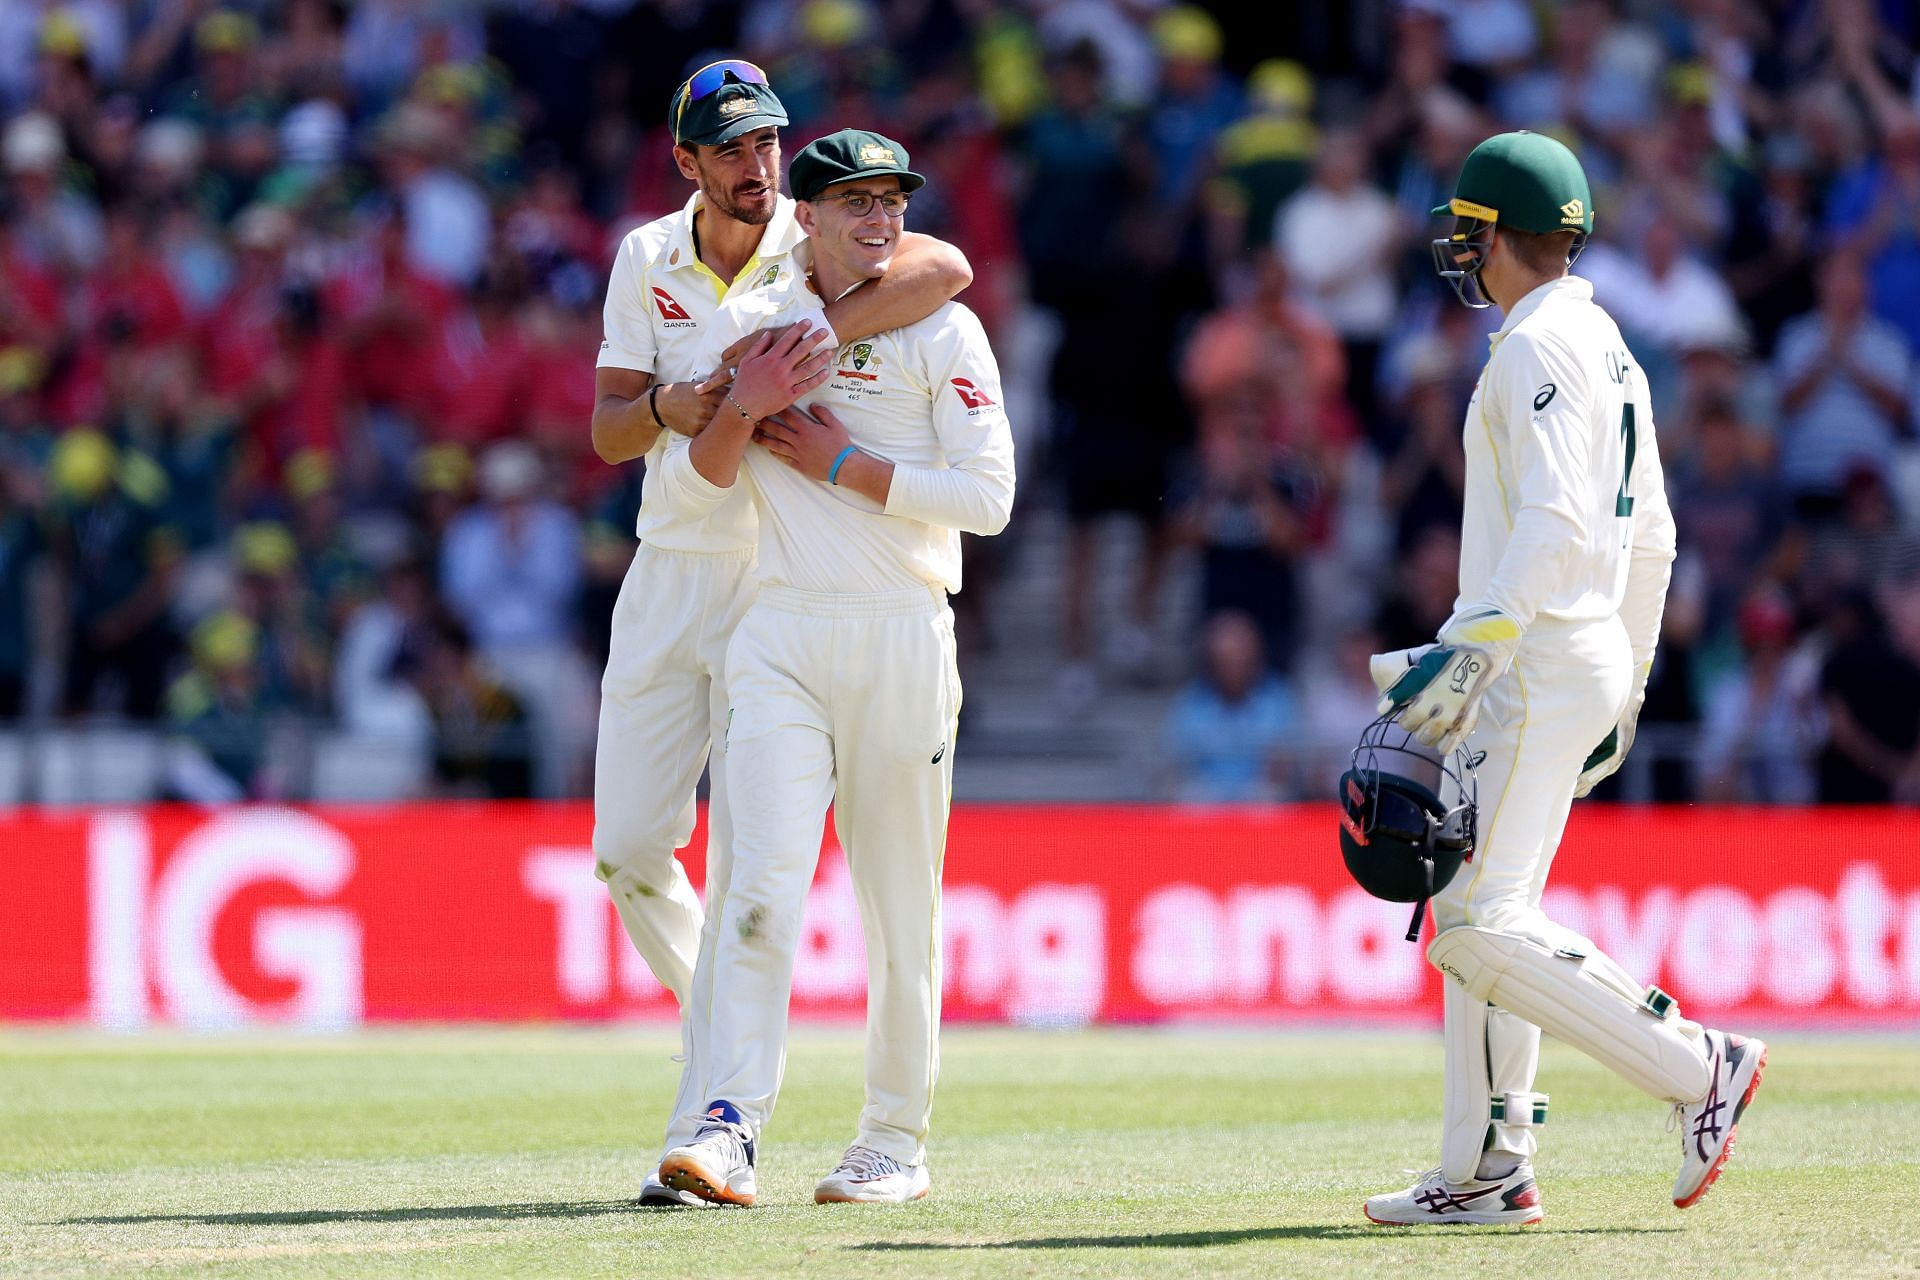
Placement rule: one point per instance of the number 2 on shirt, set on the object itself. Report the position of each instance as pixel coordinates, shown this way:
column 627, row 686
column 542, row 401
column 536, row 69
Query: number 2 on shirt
column 1623, row 504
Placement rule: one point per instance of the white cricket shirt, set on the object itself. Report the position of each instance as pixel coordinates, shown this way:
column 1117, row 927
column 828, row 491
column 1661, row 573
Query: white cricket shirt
column 1564, row 489
column 661, row 303
column 926, row 398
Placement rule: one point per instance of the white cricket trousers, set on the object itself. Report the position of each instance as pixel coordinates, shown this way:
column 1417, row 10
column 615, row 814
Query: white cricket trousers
column 1538, row 723
column 849, row 700
column 662, row 702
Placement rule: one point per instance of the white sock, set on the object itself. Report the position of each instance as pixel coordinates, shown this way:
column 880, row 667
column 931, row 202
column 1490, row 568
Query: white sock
column 1496, row 1165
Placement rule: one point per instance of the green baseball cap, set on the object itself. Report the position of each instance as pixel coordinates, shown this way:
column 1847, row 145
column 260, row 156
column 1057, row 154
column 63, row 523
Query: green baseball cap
column 721, row 101
column 1526, row 181
column 846, row 155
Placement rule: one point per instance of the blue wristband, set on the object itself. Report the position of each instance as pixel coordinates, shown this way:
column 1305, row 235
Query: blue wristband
column 840, row 460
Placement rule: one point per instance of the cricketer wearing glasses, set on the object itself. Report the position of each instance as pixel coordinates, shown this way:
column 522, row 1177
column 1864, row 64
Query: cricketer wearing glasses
column 663, row 697
column 842, row 672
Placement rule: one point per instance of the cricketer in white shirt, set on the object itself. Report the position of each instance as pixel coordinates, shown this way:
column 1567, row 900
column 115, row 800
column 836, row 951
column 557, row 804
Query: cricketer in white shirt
column 663, row 697
column 1567, row 544
column 842, row 675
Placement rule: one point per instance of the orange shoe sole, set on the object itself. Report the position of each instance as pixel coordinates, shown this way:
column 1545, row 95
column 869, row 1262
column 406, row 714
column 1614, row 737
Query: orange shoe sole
column 1713, row 1174
column 691, row 1177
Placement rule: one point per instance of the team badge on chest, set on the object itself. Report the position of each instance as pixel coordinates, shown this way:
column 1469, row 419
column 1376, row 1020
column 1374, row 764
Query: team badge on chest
column 865, row 364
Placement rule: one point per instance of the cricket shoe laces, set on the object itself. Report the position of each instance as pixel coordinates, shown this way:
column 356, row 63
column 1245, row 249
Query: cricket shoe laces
column 867, row 1176
column 1709, row 1125
column 717, row 1165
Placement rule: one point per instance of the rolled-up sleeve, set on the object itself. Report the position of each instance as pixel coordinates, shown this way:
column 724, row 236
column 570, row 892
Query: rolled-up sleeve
column 973, row 492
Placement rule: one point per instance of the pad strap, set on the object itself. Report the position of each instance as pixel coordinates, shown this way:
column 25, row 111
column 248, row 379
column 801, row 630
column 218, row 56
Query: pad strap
column 1525, row 1109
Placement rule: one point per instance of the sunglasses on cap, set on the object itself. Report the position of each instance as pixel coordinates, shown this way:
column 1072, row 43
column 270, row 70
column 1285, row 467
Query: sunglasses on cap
column 711, row 79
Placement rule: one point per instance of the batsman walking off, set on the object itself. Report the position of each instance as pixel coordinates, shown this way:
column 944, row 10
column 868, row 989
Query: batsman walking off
column 1566, row 551
column 663, row 697
column 842, row 677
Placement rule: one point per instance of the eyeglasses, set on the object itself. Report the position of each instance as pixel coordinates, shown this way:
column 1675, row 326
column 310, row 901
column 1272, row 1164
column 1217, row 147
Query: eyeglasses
column 711, row 79
column 860, row 203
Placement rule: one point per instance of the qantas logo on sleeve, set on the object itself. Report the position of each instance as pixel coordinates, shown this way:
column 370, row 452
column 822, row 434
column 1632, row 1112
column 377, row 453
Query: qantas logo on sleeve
column 672, row 314
column 971, row 396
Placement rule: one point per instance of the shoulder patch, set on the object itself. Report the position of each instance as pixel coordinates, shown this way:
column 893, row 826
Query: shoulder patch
column 1543, row 397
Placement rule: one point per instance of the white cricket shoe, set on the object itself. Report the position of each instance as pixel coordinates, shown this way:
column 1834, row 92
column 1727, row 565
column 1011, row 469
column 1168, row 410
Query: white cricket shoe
column 655, row 1194
column 1510, row 1201
column 717, row 1165
column 864, row 1176
column 1707, row 1127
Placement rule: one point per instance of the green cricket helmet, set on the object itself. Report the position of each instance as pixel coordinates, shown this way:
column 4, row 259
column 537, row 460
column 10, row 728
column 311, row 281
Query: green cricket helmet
column 1523, row 180
column 1400, row 840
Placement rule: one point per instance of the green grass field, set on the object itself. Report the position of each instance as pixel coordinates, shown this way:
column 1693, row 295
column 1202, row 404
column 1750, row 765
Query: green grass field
column 514, row 1153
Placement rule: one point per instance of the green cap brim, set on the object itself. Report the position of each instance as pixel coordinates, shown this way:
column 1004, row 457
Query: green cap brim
column 734, row 128
column 909, row 180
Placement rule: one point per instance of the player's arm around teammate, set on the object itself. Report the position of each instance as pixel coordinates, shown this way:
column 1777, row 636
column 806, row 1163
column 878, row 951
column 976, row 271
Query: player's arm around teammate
column 842, row 675
column 629, row 415
column 663, row 696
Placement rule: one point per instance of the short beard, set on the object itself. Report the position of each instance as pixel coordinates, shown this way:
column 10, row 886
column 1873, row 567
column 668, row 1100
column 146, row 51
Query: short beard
column 726, row 204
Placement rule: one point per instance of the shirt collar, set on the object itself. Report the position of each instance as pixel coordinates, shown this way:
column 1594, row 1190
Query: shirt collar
column 1572, row 288
column 679, row 253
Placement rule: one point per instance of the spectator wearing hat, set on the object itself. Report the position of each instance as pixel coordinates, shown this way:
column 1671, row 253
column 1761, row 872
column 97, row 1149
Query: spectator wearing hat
column 218, row 746
column 225, row 92
column 337, row 573
column 57, row 229
column 118, row 558
column 291, row 636
column 1196, row 101
column 1263, row 158
column 448, row 224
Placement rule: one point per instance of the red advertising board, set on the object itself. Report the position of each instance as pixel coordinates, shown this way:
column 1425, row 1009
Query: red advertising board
column 1053, row 916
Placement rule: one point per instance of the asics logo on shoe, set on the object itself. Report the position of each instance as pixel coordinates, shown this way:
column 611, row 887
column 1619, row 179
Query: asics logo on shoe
column 1706, row 1126
column 1438, row 1199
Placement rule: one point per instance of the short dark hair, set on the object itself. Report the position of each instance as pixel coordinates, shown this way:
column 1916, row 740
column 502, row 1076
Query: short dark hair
column 1545, row 253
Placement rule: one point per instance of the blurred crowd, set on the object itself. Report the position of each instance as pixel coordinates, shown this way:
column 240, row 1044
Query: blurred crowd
column 299, row 301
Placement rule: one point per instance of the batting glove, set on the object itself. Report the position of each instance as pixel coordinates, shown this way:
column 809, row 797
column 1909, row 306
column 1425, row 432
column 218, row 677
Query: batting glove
column 1612, row 753
column 1438, row 699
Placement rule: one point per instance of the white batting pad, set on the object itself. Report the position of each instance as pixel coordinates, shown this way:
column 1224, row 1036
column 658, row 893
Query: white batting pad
column 1578, row 998
column 1490, row 1054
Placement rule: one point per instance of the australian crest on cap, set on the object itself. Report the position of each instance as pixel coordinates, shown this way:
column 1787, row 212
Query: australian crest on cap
column 874, row 153
column 736, row 105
